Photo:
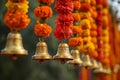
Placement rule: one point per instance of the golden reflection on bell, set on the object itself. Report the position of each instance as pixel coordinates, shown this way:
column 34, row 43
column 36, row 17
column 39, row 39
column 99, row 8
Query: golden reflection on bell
column 86, row 61
column 63, row 53
column 41, row 53
column 107, row 70
column 94, row 64
column 14, row 46
column 100, row 69
column 76, row 58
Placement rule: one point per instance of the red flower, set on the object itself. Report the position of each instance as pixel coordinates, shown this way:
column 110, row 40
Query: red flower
column 85, row 7
column 64, row 20
column 62, row 32
column 64, row 7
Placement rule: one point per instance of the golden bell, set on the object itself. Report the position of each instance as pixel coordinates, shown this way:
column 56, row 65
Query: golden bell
column 63, row 53
column 14, row 46
column 107, row 70
column 41, row 53
column 86, row 61
column 100, row 69
column 76, row 58
column 94, row 64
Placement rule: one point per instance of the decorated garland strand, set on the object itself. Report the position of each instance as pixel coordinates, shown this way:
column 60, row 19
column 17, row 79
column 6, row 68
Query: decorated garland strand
column 64, row 19
column 16, row 17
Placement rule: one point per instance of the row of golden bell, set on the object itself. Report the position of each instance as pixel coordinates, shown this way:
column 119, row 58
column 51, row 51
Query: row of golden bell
column 14, row 48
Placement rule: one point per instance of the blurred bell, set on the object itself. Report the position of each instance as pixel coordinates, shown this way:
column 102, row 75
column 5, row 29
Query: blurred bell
column 14, row 46
column 76, row 58
column 100, row 69
column 41, row 53
column 63, row 53
column 94, row 64
column 86, row 61
column 108, row 70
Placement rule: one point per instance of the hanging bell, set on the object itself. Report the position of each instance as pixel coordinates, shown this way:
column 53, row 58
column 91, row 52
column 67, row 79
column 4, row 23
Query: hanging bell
column 86, row 61
column 14, row 46
column 100, row 69
column 107, row 70
column 41, row 53
column 63, row 53
column 76, row 58
column 94, row 64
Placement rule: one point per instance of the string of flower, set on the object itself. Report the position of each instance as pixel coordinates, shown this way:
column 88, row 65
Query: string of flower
column 42, row 13
column 16, row 17
column 64, row 20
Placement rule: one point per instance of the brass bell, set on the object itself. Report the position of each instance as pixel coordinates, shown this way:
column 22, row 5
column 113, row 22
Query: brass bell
column 41, row 53
column 100, row 69
column 107, row 70
column 14, row 46
column 86, row 61
column 94, row 64
column 76, row 58
column 63, row 53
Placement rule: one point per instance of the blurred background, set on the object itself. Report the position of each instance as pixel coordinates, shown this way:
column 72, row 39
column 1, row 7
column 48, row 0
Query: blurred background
column 25, row 68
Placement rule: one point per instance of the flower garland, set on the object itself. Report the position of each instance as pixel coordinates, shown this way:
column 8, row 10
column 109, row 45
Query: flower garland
column 64, row 19
column 85, row 24
column 42, row 13
column 16, row 17
column 76, row 40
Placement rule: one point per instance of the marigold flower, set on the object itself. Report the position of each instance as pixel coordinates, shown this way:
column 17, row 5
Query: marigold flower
column 17, row 20
column 48, row 2
column 62, row 32
column 42, row 30
column 64, row 20
column 94, row 40
column 106, row 62
column 85, row 15
column 86, row 33
column 105, row 3
column 86, row 39
column 99, row 2
column 64, row 7
column 85, row 24
column 76, row 17
column 85, row 7
column 85, row 1
column 93, row 13
column 93, row 26
column 43, row 12
column 76, row 41
column 93, row 33
column 93, row 2
column 77, row 5
column 17, row 7
column 93, row 53
column 105, row 21
column 76, row 29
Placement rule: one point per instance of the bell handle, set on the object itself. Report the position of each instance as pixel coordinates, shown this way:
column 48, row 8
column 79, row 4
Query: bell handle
column 41, row 39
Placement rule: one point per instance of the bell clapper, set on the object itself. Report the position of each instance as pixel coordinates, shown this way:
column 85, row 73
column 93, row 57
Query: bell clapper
column 62, row 61
column 41, row 61
column 14, row 57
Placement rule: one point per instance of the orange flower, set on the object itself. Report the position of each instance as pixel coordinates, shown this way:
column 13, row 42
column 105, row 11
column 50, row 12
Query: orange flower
column 42, row 30
column 76, row 17
column 43, row 12
column 17, row 20
column 93, row 13
column 76, row 5
column 93, row 26
column 106, row 62
column 85, row 7
column 85, row 1
column 93, row 54
column 86, row 33
column 93, row 33
column 48, row 2
column 76, row 41
column 94, row 40
column 76, row 29
column 93, row 2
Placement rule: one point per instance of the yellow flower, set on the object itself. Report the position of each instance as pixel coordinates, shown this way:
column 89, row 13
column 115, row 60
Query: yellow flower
column 13, row 7
column 105, row 11
column 85, row 24
column 85, row 15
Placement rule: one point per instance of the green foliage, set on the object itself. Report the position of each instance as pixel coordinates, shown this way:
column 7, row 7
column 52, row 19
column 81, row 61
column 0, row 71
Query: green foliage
column 25, row 68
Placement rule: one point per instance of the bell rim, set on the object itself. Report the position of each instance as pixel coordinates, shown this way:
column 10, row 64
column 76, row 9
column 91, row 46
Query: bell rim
column 41, row 57
column 74, row 62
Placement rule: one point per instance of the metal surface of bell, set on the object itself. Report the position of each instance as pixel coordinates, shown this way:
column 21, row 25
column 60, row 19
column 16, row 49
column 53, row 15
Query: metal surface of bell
column 94, row 64
column 100, row 69
column 76, row 58
column 107, row 70
column 63, row 53
column 41, row 53
column 86, row 61
column 14, row 46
